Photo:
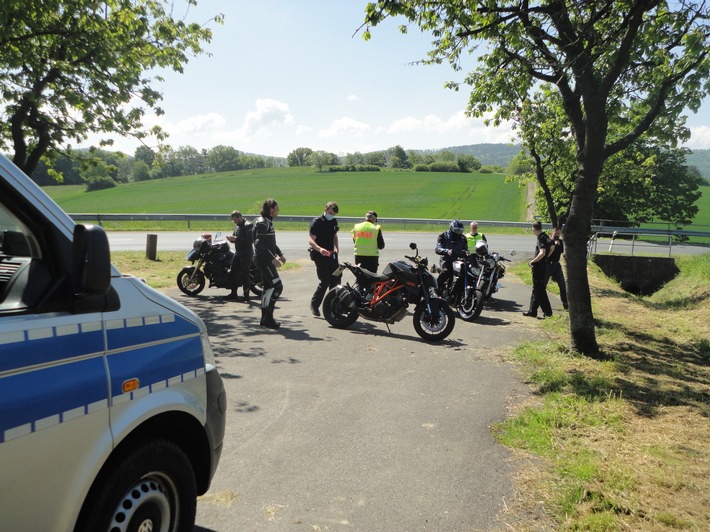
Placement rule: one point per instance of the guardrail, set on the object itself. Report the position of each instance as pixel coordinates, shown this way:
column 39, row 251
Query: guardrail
column 620, row 239
column 601, row 229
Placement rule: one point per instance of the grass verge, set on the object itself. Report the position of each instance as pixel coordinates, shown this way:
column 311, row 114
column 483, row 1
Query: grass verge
column 622, row 444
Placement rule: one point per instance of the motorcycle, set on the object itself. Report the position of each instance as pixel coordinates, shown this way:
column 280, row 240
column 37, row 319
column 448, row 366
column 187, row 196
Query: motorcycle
column 474, row 279
column 385, row 298
column 214, row 259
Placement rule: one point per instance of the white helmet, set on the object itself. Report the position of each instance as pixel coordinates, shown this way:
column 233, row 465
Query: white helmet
column 481, row 248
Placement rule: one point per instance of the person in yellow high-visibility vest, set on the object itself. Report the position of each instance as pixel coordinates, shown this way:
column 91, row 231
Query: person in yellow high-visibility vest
column 368, row 241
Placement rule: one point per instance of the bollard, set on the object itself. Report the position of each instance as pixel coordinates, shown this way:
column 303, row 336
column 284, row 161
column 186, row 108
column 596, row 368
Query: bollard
column 151, row 247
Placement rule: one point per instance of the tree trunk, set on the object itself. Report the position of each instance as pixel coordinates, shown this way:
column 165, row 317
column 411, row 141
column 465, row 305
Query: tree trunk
column 581, row 319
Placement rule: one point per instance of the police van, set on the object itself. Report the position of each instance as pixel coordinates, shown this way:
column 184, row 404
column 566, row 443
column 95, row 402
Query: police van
column 112, row 412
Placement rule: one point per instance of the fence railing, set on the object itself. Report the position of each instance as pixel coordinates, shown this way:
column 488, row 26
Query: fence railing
column 188, row 218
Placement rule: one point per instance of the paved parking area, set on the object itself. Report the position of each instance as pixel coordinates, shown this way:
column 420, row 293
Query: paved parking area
column 360, row 429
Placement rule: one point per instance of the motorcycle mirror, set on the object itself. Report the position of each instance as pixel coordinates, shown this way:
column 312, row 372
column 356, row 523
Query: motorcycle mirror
column 217, row 235
column 412, row 245
column 512, row 253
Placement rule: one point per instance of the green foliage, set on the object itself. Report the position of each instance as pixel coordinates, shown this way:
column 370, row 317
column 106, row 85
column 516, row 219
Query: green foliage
column 70, row 68
column 99, row 183
column 625, row 69
column 354, row 168
column 299, row 157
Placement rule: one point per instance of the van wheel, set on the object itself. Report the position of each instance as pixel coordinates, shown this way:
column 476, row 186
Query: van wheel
column 191, row 284
column 152, row 488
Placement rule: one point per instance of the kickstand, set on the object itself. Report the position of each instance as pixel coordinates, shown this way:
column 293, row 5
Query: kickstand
column 388, row 328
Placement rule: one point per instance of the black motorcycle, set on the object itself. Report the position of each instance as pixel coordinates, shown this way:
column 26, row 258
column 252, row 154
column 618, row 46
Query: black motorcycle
column 473, row 278
column 385, row 298
column 214, row 259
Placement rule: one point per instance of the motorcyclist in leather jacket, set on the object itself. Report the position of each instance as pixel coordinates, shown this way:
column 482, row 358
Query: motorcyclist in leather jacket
column 450, row 245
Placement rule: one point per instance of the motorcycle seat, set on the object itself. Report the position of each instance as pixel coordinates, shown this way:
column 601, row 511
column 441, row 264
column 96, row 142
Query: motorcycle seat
column 374, row 276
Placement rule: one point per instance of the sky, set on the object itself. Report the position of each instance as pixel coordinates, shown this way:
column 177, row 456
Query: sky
column 284, row 74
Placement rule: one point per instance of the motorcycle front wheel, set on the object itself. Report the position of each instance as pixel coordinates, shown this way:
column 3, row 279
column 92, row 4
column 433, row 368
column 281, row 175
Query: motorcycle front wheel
column 434, row 328
column 471, row 306
column 190, row 284
column 337, row 310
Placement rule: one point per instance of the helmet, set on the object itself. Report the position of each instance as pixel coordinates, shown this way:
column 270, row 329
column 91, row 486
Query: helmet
column 481, row 248
column 456, row 227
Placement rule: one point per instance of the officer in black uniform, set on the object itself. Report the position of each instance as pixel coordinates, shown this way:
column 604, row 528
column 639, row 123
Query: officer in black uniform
column 554, row 268
column 539, row 274
column 323, row 241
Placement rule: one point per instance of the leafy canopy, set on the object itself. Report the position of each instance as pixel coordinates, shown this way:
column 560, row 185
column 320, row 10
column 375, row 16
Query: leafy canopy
column 69, row 68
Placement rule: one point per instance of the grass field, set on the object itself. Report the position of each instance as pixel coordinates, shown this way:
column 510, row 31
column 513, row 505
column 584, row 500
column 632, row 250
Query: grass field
column 304, row 191
column 621, row 443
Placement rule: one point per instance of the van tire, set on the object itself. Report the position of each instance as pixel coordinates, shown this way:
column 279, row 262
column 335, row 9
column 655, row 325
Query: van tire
column 152, row 484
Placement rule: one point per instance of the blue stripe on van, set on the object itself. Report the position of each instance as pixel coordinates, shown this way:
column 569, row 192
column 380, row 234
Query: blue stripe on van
column 42, row 398
column 149, row 363
column 21, row 349
column 124, row 333
column 47, row 395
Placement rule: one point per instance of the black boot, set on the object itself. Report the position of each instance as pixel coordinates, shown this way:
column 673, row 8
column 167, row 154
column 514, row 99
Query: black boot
column 267, row 318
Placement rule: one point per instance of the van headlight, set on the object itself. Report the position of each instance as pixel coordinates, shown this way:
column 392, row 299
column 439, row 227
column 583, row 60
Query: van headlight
column 210, row 363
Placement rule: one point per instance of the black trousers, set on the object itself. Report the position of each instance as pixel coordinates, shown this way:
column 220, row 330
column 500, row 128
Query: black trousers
column 369, row 263
column 539, row 298
column 325, row 266
column 239, row 272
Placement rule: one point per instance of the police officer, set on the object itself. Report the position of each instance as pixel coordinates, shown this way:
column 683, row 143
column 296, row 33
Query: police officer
column 368, row 241
column 243, row 255
column 268, row 259
column 539, row 274
column 554, row 268
column 323, row 242
column 450, row 245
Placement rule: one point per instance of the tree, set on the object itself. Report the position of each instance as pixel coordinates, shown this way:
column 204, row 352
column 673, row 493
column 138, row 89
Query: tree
column 321, row 158
column 70, row 68
column 299, row 157
column 397, row 157
column 636, row 63
column 223, row 159
column 145, row 154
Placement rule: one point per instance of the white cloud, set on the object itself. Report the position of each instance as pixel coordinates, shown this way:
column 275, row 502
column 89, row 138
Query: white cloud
column 353, row 98
column 268, row 112
column 345, row 125
column 699, row 138
column 302, row 130
column 199, row 123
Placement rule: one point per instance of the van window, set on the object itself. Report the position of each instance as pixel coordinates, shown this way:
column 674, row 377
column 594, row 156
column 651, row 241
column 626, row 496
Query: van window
column 24, row 276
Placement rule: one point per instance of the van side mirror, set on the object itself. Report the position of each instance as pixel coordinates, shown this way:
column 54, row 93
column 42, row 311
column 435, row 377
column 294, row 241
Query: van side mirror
column 91, row 261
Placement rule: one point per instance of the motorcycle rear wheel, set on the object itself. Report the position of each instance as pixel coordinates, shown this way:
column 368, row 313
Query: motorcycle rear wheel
column 472, row 305
column 190, row 287
column 337, row 310
column 434, row 330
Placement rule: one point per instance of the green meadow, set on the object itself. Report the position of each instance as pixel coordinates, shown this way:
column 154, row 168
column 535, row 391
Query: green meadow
column 304, row 191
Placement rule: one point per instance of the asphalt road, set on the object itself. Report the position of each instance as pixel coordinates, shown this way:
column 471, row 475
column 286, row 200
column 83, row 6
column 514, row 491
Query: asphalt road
column 361, row 429
column 295, row 243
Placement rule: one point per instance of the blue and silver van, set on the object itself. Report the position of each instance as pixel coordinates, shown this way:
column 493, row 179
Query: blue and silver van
column 112, row 412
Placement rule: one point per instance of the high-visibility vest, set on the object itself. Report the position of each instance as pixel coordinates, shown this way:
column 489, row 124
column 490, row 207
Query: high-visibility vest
column 472, row 240
column 365, row 239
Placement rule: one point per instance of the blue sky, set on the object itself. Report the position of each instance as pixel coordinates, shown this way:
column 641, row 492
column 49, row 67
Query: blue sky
column 285, row 74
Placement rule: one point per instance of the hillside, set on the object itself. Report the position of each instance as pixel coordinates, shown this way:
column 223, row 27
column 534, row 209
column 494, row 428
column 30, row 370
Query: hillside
column 488, row 154
column 701, row 160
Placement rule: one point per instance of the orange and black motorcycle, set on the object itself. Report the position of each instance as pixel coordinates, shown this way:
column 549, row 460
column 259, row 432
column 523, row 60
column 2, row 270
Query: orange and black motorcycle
column 386, row 297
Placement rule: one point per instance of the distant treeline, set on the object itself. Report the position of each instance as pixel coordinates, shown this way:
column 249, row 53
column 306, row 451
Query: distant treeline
column 103, row 169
